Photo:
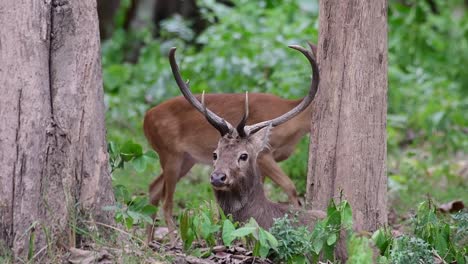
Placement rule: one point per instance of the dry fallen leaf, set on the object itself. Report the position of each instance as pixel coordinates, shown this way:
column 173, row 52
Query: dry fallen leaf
column 452, row 207
column 85, row 256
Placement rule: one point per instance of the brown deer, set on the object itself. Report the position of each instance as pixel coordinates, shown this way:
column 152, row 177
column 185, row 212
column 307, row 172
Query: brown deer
column 236, row 178
column 182, row 138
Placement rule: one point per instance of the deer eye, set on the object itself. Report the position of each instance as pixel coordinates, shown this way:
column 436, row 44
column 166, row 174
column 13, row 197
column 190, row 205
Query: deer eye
column 243, row 157
column 215, row 156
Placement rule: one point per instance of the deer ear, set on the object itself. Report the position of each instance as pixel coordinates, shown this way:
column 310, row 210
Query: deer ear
column 261, row 138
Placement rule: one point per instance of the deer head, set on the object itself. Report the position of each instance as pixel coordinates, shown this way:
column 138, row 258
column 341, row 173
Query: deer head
column 235, row 157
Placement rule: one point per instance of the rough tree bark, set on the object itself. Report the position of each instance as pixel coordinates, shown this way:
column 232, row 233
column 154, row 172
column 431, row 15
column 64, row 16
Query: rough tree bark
column 348, row 136
column 53, row 156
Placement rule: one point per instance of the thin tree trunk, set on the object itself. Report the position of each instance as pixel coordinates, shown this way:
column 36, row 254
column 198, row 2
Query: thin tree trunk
column 348, row 136
column 53, row 159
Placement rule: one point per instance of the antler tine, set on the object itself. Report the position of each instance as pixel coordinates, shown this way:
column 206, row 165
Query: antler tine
column 302, row 105
column 217, row 122
column 240, row 127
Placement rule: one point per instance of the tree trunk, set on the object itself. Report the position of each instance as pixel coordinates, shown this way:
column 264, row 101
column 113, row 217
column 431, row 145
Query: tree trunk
column 348, row 136
column 53, row 159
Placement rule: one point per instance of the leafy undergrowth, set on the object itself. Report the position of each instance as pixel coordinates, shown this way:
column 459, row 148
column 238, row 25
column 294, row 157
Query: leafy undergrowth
column 206, row 235
column 245, row 50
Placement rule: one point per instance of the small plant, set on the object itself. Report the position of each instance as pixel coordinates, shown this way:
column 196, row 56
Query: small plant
column 130, row 209
column 359, row 250
column 435, row 236
column 461, row 229
column 129, row 152
column 383, row 240
column 293, row 240
column 408, row 249
column 327, row 231
column 204, row 225
column 438, row 232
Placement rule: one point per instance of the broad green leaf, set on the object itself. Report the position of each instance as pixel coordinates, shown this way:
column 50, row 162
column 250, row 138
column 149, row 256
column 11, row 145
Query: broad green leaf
column 130, row 150
column 382, row 239
column 149, row 209
column 135, row 215
column 317, row 245
column 151, row 154
column 228, row 229
column 359, row 251
column 139, row 164
column 331, row 239
column 243, row 231
column 346, row 215
column 271, row 240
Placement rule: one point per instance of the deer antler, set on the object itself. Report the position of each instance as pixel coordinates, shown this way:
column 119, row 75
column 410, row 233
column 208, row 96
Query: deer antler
column 301, row 106
column 243, row 131
column 217, row 122
column 241, row 125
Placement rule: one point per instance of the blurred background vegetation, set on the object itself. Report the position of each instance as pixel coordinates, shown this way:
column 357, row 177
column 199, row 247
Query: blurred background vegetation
column 240, row 45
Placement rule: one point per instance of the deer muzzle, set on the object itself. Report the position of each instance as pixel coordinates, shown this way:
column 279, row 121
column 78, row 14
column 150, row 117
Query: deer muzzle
column 218, row 179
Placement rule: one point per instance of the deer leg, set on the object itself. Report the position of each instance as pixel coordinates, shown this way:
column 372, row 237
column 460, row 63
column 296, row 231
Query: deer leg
column 156, row 192
column 159, row 189
column 177, row 167
column 269, row 167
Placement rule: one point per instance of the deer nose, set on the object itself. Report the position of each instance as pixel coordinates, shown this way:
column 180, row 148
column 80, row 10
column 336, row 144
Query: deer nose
column 218, row 179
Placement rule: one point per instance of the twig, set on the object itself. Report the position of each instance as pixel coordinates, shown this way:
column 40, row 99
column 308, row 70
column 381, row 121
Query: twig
column 119, row 230
column 39, row 252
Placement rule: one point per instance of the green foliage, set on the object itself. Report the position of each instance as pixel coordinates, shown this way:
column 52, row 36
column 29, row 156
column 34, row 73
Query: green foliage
column 297, row 244
column 130, row 209
column 411, row 250
column 326, row 232
column 438, row 232
column 204, row 225
column 359, row 250
column 244, row 48
column 461, row 229
column 417, row 174
column 129, row 152
column 293, row 240
column 434, row 235
column 427, row 92
column 383, row 239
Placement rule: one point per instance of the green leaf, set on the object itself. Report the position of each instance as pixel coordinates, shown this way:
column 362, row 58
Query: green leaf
column 382, row 239
column 114, row 76
column 331, row 239
column 271, row 240
column 263, row 251
column 139, row 164
column 317, row 245
column 130, row 150
column 228, row 229
column 151, row 154
column 185, row 226
column 346, row 215
column 135, row 215
column 129, row 222
column 359, row 250
column 243, row 231
column 149, row 209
